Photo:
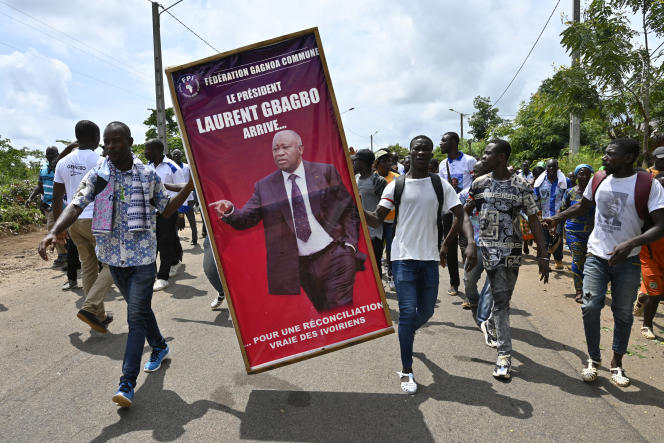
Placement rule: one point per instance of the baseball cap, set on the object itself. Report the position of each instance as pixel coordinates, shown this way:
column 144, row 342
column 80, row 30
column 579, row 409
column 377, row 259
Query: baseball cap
column 365, row 155
column 658, row 152
column 380, row 153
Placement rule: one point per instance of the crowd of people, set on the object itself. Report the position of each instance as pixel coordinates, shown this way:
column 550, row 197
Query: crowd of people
column 604, row 218
column 111, row 215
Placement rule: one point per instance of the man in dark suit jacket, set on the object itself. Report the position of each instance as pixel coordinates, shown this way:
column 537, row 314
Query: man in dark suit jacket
column 311, row 226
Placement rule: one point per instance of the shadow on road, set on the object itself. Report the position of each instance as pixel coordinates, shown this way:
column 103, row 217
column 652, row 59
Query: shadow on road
column 3, row 308
column 222, row 319
column 184, row 292
column 108, row 345
column 158, row 410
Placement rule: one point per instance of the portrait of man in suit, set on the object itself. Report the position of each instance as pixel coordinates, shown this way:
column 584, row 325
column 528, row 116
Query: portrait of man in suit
column 311, row 226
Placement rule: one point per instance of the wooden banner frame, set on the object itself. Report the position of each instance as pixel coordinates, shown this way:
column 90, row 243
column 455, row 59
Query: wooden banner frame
column 170, row 72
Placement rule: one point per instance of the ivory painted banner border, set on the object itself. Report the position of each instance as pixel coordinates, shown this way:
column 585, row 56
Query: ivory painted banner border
column 229, row 107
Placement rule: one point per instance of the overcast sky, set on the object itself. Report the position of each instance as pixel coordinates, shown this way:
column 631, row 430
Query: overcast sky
column 401, row 65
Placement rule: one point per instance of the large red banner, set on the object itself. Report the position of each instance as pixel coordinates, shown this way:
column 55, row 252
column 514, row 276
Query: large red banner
column 265, row 144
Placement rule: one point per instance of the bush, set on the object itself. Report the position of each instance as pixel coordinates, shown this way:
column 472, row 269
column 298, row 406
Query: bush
column 14, row 216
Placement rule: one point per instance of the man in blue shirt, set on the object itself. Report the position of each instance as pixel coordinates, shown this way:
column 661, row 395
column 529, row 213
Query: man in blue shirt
column 124, row 225
column 45, row 188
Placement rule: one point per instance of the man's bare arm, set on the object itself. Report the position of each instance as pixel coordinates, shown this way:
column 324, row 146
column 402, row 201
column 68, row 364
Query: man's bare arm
column 58, row 194
column 375, row 218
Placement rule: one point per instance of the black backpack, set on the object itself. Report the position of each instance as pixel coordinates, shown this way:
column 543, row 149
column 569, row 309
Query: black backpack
column 400, row 183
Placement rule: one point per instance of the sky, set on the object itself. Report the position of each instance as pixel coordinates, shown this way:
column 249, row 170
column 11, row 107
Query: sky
column 400, row 65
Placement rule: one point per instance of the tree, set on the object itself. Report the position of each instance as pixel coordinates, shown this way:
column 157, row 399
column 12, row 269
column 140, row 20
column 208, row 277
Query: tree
column 17, row 163
column 618, row 58
column 173, row 138
column 541, row 126
column 403, row 152
column 484, row 119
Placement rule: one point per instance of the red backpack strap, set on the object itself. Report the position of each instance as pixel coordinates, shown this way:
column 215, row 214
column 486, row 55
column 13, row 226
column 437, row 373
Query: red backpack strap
column 597, row 179
column 642, row 193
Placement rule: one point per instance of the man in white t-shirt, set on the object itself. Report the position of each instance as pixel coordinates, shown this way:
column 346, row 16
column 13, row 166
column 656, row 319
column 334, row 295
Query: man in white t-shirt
column 168, row 242
column 415, row 254
column 457, row 170
column 613, row 250
column 69, row 172
column 187, row 209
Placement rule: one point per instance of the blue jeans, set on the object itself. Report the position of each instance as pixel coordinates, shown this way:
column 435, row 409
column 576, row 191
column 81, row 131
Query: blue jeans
column 135, row 285
column 625, row 279
column 209, row 268
column 417, row 289
column 484, row 298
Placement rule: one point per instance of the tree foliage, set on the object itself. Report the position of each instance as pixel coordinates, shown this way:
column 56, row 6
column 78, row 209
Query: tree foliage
column 615, row 54
column 485, row 118
column 173, row 138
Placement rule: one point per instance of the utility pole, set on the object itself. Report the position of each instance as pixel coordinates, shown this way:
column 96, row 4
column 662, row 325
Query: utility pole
column 575, row 120
column 158, row 76
column 372, row 140
column 461, row 116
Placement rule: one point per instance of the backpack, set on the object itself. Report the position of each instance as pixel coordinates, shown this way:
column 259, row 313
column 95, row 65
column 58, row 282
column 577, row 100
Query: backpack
column 400, row 183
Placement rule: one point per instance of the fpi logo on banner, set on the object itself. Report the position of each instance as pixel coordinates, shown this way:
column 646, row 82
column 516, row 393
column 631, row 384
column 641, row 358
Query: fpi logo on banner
column 268, row 154
column 188, row 85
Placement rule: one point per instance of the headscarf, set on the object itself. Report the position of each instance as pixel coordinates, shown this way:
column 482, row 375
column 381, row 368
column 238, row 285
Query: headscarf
column 581, row 166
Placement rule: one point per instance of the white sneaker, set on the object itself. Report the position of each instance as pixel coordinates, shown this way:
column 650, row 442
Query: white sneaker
column 174, row 269
column 217, row 301
column 160, row 284
column 409, row 387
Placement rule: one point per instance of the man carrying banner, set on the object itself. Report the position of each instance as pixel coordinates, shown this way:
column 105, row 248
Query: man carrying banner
column 311, row 226
column 419, row 200
column 124, row 191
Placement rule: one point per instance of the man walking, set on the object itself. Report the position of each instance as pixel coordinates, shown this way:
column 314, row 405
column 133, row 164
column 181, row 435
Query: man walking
column 69, row 172
column 123, row 191
column 383, row 168
column 624, row 199
column 188, row 208
column 45, row 188
column 499, row 197
column 457, row 170
column 419, row 200
column 370, row 187
column 549, row 190
column 168, row 242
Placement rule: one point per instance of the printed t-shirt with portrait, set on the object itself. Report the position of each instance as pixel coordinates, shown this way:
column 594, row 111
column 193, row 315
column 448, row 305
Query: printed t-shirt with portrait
column 71, row 170
column 499, row 203
column 616, row 219
column 416, row 236
column 460, row 171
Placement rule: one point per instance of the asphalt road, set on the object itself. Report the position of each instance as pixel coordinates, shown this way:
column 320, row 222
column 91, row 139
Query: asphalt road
column 58, row 376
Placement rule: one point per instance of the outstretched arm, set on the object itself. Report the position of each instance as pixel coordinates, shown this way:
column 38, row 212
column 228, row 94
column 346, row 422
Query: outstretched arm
column 542, row 254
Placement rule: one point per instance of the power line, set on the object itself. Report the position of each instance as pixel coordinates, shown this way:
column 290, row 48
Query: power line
column 190, row 30
column 115, row 62
column 79, row 72
column 529, row 52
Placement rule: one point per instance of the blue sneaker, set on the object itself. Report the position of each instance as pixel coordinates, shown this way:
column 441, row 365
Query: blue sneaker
column 156, row 357
column 124, row 395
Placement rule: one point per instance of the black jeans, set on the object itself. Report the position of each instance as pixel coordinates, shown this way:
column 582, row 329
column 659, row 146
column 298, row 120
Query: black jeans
column 191, row 217
column 73, row 263
column 452, row 256
column 168, row 244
